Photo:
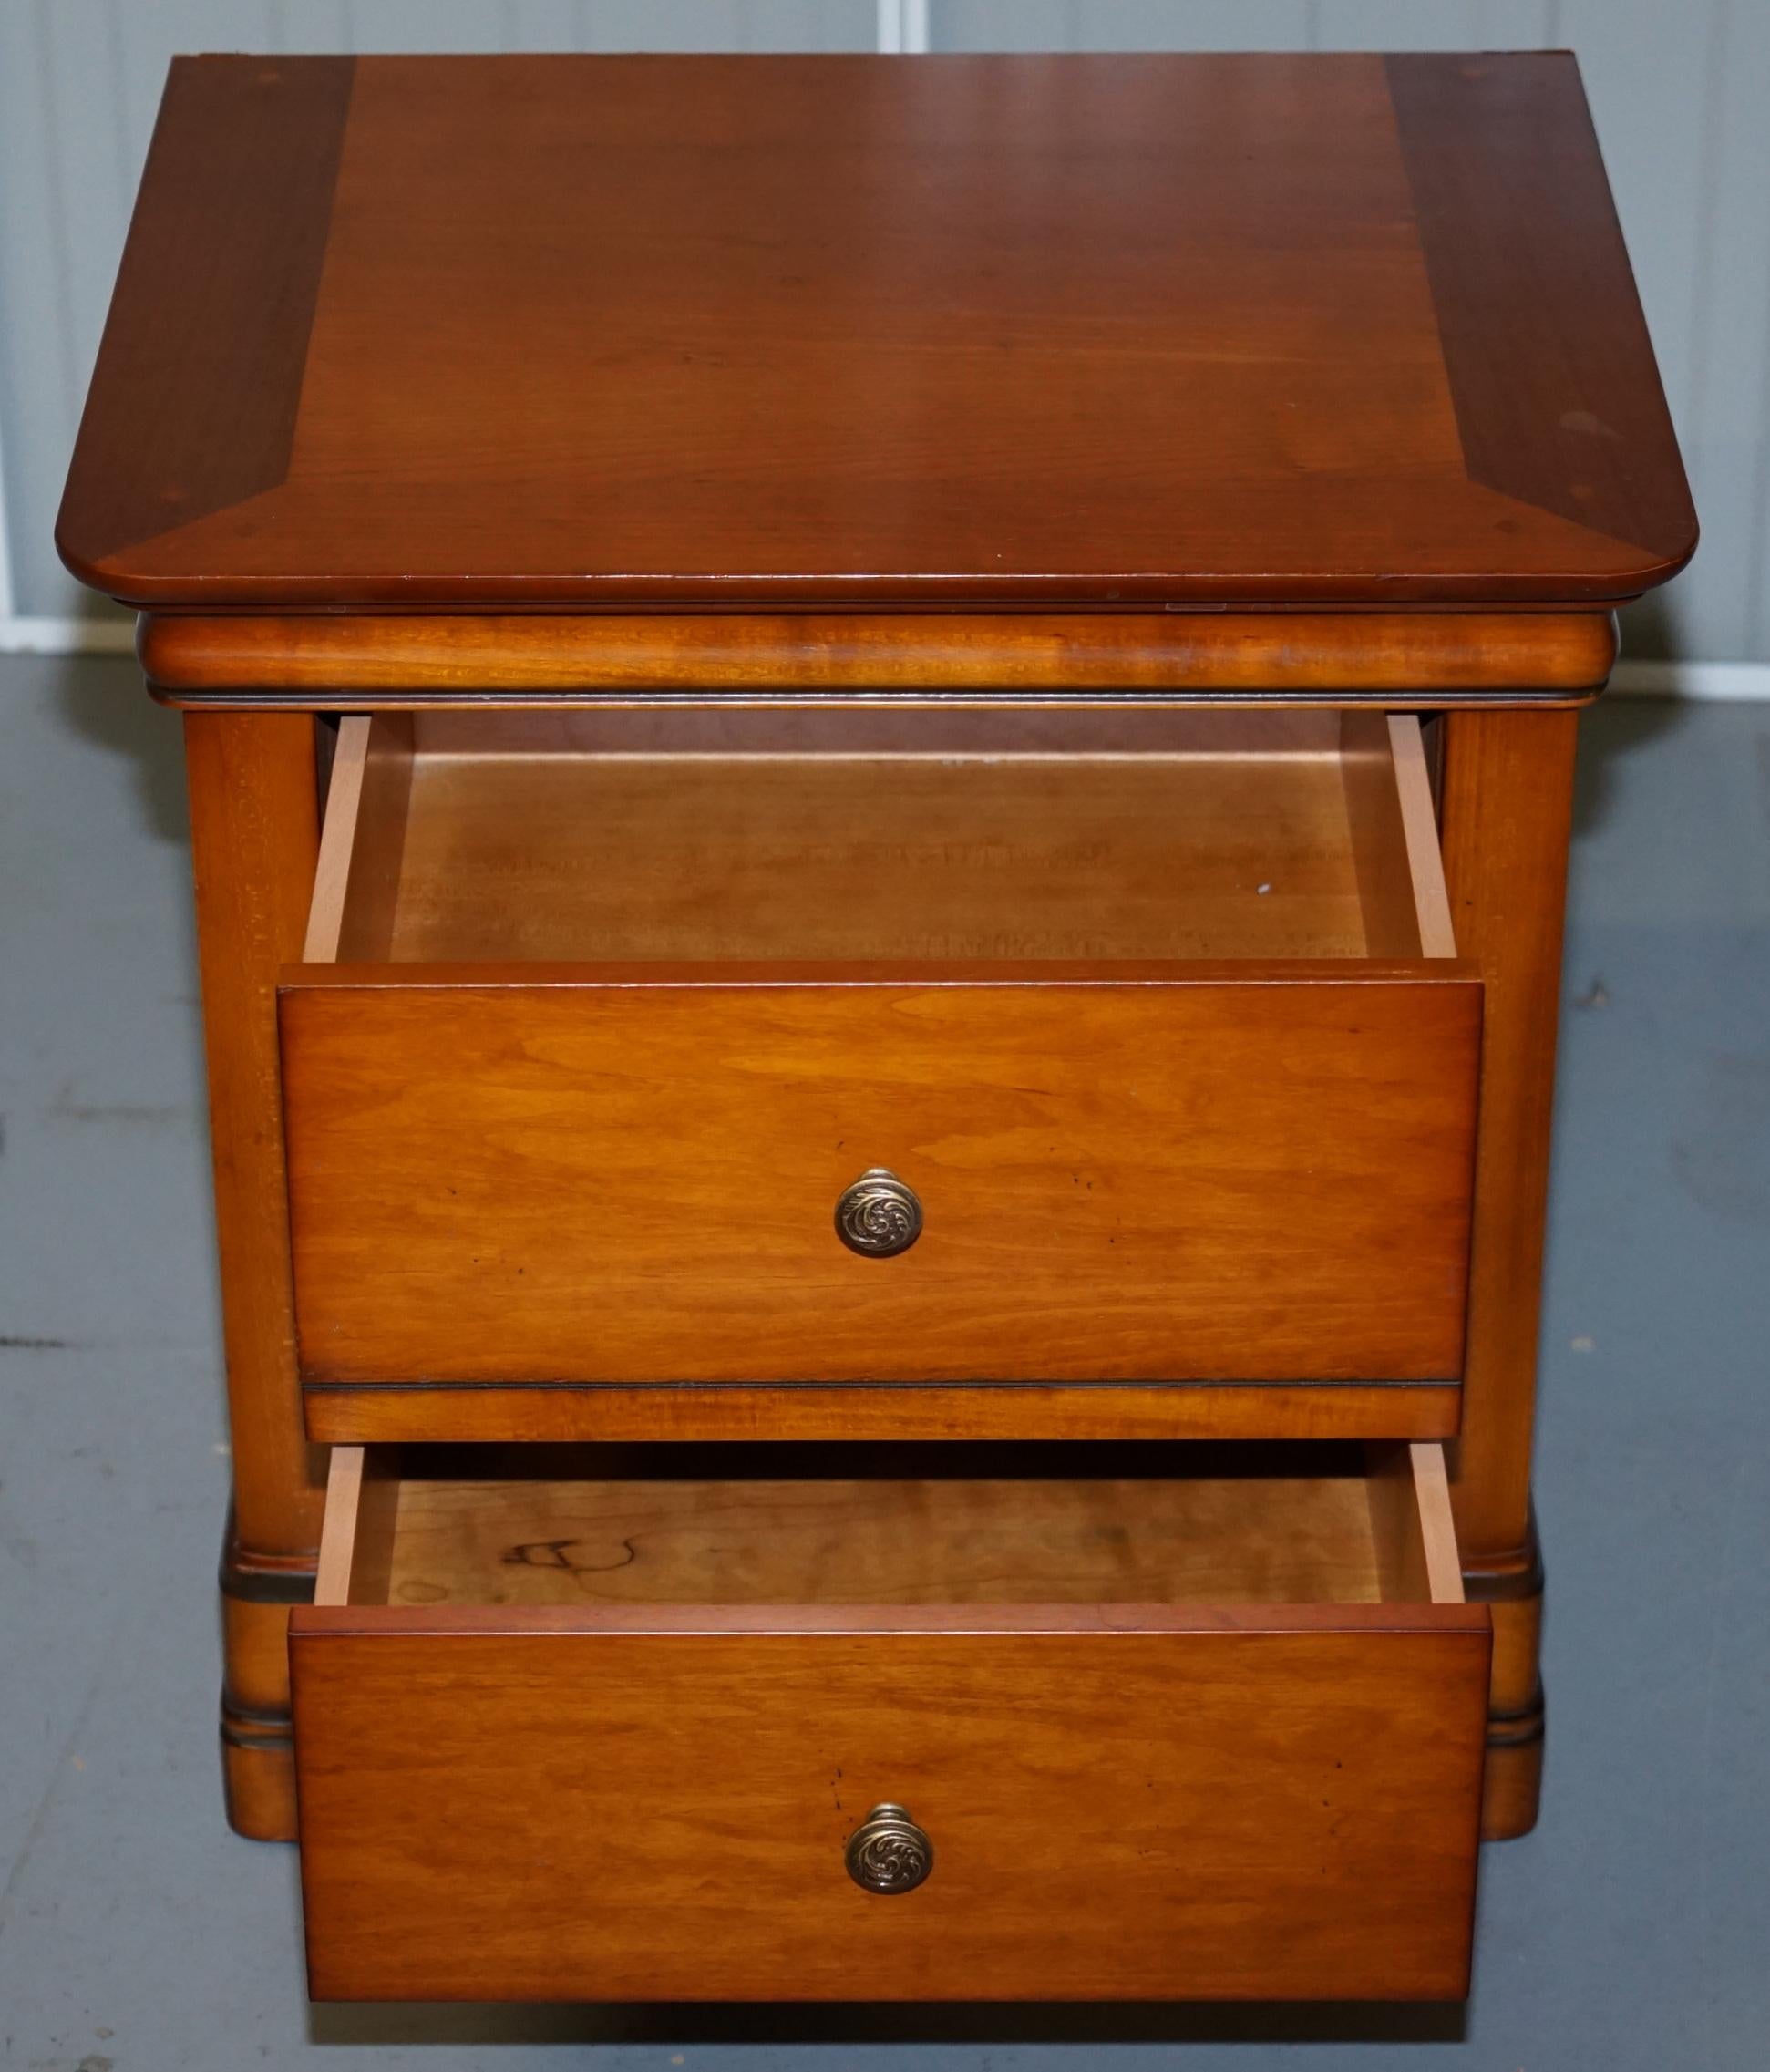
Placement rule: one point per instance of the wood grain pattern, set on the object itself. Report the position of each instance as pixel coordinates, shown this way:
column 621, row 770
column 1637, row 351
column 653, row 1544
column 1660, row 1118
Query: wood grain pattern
column 520, row 837
column 363, row 659
column 1508, row 810
column 364, row 1414
column 1369, row 415
column 1205, row 1806
column 195, row 396
column 255, row 835
column 1507, row 805
column 1219, row 835
column 1544, row 340
column 1161, row 330
column 594, row 1790
column 931, row 1526
column 495, row 1178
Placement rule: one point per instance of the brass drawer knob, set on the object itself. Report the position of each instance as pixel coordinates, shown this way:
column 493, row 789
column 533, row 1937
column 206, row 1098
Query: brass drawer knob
column 878, row 1216
column 888, row 1852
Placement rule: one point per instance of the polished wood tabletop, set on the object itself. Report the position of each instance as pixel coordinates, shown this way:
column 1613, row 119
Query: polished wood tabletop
column 989, row 332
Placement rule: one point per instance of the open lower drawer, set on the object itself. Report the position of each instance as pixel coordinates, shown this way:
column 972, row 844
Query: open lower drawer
column 1164, row 1721
column 1133, row 1065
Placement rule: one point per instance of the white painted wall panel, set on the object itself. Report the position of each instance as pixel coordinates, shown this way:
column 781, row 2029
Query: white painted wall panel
column 1208, row 25
column 1720, row 605
column 1120, row 24
column 1451, row 25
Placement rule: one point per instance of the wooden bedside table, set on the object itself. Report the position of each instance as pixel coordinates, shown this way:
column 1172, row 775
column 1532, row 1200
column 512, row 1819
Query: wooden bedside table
column 880, row 759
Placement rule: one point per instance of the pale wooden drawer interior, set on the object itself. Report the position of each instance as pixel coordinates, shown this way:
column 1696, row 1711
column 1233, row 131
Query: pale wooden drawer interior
column 810, row 1525
column 1156, row 1014
column 754, row 837
column 1174, row 1721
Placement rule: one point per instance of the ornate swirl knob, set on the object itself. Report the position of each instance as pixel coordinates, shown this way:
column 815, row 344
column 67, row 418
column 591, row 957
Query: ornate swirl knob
column 878, row 1216
column 888, row 1852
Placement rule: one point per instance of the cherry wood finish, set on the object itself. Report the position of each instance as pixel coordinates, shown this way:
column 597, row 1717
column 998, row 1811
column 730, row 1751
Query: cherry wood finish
column 258, row 1744
column 366, row 661
column 510, row 1177
column 1268, row 330
column 632, row 1175
column 257, row 1733
column 1514, row 1598
column 805, row 840
column 255, row 835
column 662, row 1815
column 254, row 838
column 1508, row 810
column 612, row 386
column 1498, row 141
column 196, row 395
column 922, row 1525
column 595, row 1789
column 364, row 1413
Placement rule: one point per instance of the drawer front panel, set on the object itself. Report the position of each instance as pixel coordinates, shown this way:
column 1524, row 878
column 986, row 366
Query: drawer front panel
column 1218, row 1178
column 1217, row 1804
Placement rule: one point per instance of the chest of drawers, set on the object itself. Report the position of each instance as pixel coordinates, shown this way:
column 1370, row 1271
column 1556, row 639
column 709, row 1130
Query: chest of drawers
column 880, row 761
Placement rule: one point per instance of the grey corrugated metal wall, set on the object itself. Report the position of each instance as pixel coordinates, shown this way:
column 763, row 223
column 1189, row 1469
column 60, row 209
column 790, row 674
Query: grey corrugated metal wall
column 1679, row 91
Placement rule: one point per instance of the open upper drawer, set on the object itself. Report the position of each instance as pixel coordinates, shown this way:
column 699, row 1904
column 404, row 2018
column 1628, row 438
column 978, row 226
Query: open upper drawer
column 646, row 1081
column 1161, row 1721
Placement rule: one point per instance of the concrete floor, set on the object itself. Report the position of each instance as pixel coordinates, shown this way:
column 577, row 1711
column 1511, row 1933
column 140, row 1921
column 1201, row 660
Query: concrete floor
column 1629, row 1934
